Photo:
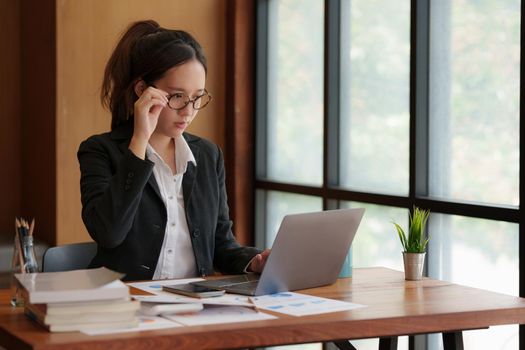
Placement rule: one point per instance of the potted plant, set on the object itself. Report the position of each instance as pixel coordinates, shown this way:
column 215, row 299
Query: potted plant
column 414, row 244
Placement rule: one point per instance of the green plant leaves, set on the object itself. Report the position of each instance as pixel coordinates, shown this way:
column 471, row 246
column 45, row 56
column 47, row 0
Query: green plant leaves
column 402, row 236
column 416, row 242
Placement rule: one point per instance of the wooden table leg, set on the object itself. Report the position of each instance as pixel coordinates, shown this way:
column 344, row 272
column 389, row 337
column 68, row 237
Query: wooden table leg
column 453, row 341
column 388, row 343
column 344, row 345
column 384, row 344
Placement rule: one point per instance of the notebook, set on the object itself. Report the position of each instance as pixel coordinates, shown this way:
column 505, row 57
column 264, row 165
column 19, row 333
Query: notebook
column 308, row 251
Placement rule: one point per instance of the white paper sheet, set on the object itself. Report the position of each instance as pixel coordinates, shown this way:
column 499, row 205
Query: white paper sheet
column 166, row 297
column 297, row 304
column 146, row 323
column 214, row 314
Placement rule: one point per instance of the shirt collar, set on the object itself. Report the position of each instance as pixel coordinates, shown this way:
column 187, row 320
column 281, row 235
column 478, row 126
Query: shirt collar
column 183, row 154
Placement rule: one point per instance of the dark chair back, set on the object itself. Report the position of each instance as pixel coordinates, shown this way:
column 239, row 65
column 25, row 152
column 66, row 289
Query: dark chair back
column 68, row 257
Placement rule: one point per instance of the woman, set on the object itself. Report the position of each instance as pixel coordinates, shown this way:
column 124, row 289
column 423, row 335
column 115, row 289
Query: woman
column 153, row 196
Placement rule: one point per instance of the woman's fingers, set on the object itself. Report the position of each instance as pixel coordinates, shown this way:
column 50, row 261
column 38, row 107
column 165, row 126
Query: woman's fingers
column 147, row 110
column 150, row 103
column 259, row 261
column 152, row 97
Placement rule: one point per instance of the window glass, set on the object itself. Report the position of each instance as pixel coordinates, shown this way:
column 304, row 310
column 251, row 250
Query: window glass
column 295, row 91
column 478, row 253
column 280, row 204
column 375, row 63
column 376, row 242
column 474, row 100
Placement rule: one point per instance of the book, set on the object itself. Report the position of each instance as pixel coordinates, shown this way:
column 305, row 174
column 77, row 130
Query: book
column 86, row 317
column 81, row 326
column 95, row 306
column 90, row 326
column 71, row 286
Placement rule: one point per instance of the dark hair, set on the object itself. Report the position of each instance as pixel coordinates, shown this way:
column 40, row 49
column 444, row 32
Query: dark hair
column 145, row 51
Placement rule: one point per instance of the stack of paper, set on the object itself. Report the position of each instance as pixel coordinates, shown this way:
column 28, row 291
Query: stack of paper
column 78, row 300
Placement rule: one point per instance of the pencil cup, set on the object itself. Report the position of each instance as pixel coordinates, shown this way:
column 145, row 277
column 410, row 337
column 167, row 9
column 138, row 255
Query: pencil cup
column 24, row 260
column 30, row 264
column 16, row 294
column 16, row 267
column 346, row 270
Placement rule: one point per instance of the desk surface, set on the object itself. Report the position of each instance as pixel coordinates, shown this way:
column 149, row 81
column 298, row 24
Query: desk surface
column 394, row 307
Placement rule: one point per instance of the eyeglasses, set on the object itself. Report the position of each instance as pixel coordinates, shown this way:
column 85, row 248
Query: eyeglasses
column 179, row 100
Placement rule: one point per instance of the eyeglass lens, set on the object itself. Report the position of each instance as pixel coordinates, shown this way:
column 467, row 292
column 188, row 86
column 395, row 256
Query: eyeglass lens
column 179, row 101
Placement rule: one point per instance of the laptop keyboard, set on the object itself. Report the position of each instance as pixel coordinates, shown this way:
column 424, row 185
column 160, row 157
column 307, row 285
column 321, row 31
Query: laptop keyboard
column 246, row 288
column 248, row 279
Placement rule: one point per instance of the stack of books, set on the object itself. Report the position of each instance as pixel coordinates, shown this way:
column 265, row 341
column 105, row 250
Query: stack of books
column 78, row 300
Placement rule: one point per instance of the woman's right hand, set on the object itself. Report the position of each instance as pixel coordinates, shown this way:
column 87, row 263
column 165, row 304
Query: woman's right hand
column 147, row 109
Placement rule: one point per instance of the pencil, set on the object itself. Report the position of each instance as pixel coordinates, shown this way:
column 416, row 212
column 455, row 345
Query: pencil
column 254, row 306
column 22, row 233
column 18, row 247
column 32, row 227
column 25, row 226
column 21, row 228
column 15, row 249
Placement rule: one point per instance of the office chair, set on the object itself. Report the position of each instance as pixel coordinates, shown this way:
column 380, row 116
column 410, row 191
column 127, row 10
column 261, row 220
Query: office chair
column 68, row 257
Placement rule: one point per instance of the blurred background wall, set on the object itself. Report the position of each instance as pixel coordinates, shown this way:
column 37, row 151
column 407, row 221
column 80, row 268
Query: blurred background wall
column 53, row 57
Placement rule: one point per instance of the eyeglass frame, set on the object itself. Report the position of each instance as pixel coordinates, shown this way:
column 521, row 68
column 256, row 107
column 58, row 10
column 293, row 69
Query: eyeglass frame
column 189, row 100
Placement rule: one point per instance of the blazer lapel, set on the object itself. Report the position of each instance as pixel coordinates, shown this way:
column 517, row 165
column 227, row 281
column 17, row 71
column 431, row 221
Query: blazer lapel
column 123, row 135
column 153, row 183
column 187, row 182
column 188, row 179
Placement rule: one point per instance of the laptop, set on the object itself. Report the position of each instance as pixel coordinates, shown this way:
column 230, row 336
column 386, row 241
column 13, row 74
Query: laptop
column 308, row 251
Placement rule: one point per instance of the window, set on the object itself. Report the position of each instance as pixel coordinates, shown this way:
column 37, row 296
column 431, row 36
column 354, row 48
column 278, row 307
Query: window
column 386, row 105
column 479, row 253
column 474, row 101
column 374, row 88
column 295, row 93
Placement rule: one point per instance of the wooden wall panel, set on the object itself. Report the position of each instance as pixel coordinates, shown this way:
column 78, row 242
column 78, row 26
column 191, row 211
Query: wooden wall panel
column 38, row 96
column 86, row 34
column 240, row 117
column 10, row 155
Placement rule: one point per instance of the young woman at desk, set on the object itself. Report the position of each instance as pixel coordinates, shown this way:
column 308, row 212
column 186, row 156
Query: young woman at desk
column 153, row 196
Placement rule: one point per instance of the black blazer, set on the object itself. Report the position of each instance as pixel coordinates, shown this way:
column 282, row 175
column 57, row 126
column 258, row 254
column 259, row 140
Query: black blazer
column 124, row 213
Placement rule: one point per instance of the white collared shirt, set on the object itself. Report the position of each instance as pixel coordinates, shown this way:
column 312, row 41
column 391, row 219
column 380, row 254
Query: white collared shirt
column 176, row 259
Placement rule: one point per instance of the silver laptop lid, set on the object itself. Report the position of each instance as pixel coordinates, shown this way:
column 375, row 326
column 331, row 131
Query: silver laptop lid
column 309, row 250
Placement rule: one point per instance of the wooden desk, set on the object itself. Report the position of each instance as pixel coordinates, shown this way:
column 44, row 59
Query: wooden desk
column 394, row 307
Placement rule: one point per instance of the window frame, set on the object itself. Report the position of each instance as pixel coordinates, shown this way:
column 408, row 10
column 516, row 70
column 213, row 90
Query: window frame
column 330, row 191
